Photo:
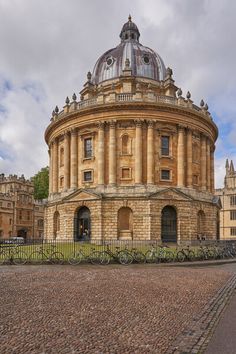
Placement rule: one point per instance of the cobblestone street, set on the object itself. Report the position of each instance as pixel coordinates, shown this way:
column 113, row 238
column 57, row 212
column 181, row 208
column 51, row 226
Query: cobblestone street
column 104, row 310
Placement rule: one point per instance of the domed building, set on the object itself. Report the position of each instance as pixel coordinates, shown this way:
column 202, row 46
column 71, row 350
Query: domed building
column 132, row 159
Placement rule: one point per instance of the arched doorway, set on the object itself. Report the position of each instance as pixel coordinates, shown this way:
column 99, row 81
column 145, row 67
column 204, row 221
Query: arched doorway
column 22, row 233
column 168, row 224
column 125, row 223
column 82, row 224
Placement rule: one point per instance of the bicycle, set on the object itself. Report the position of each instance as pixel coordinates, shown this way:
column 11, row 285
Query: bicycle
column 124, row 257
column 12, row 254
column 185, row 254
column 152, row 254
column 77, row 257
column 45, row 254
column 205, row 253
column 138, row 256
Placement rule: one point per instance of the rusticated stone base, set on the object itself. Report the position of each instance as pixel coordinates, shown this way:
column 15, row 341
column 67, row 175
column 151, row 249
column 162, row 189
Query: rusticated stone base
column 145, row 220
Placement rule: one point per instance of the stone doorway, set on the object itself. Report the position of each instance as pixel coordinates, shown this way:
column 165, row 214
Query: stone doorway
column 168, row 224
column 22, row 233
column 82, row 225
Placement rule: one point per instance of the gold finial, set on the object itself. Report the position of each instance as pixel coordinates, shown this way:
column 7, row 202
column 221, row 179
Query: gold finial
column 129, row 18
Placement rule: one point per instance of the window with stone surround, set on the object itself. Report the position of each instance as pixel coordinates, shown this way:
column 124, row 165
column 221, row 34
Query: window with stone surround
column 88, row 176
column 233, row 200
column 165, row 175
column 88, row 148
column 195, row 153
column 125, row 219
column 195, row 179
column 232, row 214
column 165, row 145
column 233, row 231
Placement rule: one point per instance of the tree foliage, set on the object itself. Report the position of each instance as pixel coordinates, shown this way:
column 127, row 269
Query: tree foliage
column 41, row 183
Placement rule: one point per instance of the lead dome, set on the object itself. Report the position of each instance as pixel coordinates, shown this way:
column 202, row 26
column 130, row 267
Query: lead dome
column 144, row 62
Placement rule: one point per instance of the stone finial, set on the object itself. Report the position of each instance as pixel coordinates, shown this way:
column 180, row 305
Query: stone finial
column 179, row 92
column 202, row 103
column 56, row 110
column 231, row 167
column 206, row 107
column 67, row 100
column 127, row 63
column 188, row 96
column 113, row 86
column 169, row 72
column 227, row 164
column 74, row 97
column 53, row 113
column 89, row 76
column 129, row 18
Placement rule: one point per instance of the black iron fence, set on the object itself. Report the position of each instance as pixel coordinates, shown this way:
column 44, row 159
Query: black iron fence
column 103, row 252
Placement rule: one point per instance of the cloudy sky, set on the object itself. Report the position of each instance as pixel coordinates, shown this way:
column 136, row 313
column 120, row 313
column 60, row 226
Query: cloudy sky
column 47, row 47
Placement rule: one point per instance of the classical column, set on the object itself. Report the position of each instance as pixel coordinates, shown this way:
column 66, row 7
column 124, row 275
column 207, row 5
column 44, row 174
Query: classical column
column 180, row 157
column 150, row 153
column 101, row 153
column 112, row 153
column 212, row 170
column 67, row 160
column 208, row 156
column 74, row 160
column 203, row 162
column 189, row 158
column 50, row 167
column 138, row 152
column 55, row 166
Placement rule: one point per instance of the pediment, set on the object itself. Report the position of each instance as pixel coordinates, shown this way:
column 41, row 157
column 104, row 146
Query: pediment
column 82, row 194
column 170, row 193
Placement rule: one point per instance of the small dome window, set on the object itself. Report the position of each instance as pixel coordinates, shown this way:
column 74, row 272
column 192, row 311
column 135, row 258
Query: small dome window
column 146, row 59
column 109, row 61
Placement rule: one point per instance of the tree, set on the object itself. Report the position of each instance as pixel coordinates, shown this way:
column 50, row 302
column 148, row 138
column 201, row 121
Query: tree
column 41, row 183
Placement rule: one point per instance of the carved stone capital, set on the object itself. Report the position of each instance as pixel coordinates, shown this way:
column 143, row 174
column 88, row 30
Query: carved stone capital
column 150, row 124
column 112, row 124
column 101, row 125
column 138, row 123
column 73, row 131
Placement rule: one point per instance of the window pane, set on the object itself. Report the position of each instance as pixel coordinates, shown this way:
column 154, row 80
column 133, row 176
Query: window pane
column 88, row 176
column 165, row 174
column 87, row 148
column 165, row 145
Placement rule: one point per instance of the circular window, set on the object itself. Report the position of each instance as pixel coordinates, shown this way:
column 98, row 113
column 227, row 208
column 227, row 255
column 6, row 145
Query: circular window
column 109, row 61
column 146, row 59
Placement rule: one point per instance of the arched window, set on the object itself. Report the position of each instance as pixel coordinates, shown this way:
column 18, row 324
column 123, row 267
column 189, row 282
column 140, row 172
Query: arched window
column 125, row 141
column 201, row 221
column 56, row 224
column 125, row 219
column 169, row 224
column 61, row 156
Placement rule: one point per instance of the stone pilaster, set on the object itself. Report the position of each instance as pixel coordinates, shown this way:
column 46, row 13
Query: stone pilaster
column 55, row 166
column 67, row 160
column 101, row 153
column 180, row 157
column 112, row 153
column 189, row 159
column 50, row 152
column 203, row 162
column 150, row 153
column 74, row 160
column 208, row 159
column 138, row 152
column 212, row 170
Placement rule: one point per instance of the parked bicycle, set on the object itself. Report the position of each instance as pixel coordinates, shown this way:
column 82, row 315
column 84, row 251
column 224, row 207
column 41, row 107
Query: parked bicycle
column 13, row 254
column 47, row 254
column 124, row 256
column 78, row 256
column 160, row 253
column 185, row 254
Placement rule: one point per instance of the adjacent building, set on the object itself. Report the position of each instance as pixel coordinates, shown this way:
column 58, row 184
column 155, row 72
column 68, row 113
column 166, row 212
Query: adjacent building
column 20, row 214
column 227, row 196
column 132, row 159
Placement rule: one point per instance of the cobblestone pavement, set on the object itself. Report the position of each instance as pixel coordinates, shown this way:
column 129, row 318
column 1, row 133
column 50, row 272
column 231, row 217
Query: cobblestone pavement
column 104, row 310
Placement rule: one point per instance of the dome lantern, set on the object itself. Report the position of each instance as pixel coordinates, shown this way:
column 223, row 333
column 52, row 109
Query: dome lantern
column 129, row 31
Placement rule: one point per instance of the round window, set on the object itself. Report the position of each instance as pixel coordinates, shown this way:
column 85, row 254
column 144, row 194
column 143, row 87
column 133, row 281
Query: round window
column 146, row 59
column 109, row 61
